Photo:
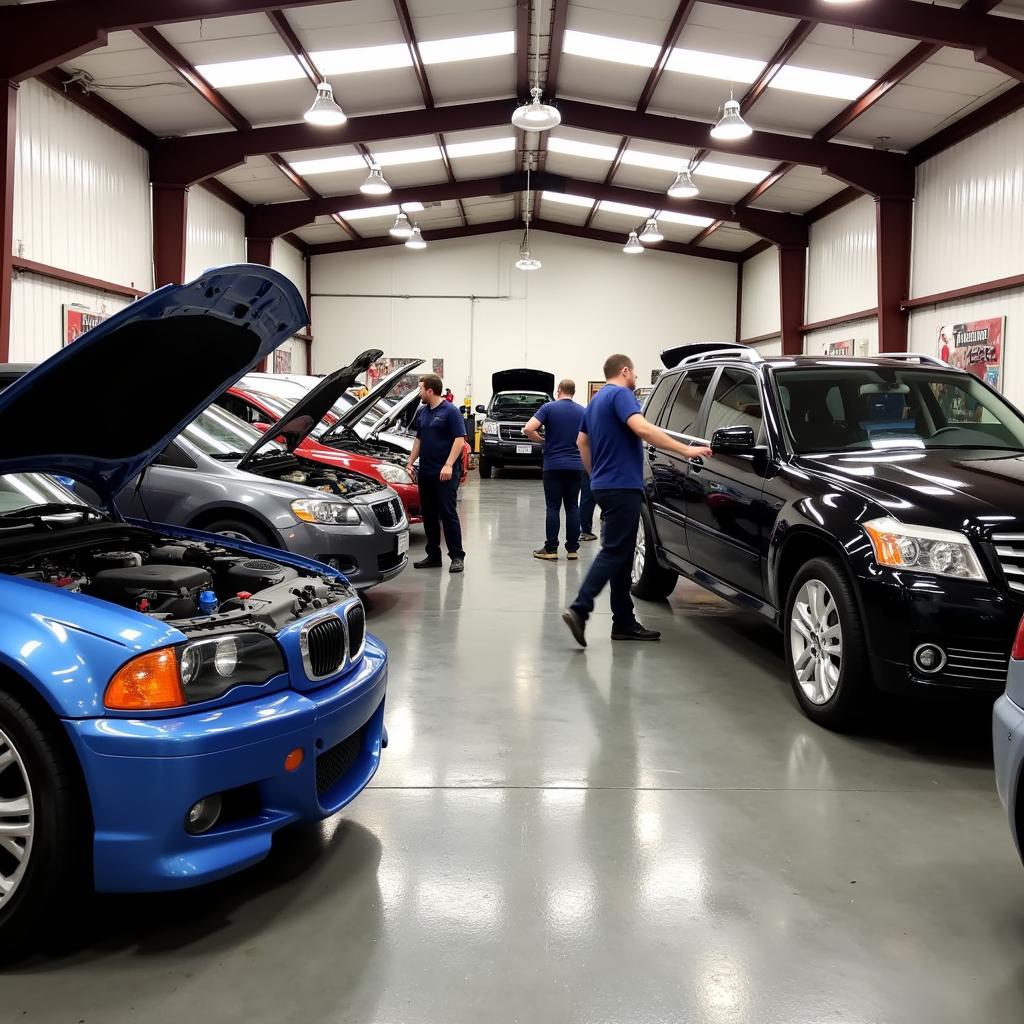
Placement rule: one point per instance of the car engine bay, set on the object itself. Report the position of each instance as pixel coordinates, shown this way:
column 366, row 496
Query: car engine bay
column 293, row 470
column 192, row 585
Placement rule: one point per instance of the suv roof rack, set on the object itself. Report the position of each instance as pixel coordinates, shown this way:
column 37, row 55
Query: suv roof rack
column 921, row 357
column 705, row 351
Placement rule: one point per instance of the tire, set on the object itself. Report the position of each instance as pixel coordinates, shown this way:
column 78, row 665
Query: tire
column 485, row 469
column 48, row 868
column 241, row 529
column 651, row 581
column 824, row 636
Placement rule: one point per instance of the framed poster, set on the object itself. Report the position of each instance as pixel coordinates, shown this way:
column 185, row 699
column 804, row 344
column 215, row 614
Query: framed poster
column 976, row 347
column 282, row 360
column 847, row 347
column 78, row 320
column 593, row 386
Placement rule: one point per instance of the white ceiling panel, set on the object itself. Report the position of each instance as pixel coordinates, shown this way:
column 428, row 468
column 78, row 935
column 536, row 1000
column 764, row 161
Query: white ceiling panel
column 563, row 213
column 318, row 234
column 455, row 19
column 800, row 190
column 647, row 22
column 486, row 209
column 472, row 80
column 678, row 232
column 347, row 25
column 736, row 33
column 259, row 181
column 731, row 238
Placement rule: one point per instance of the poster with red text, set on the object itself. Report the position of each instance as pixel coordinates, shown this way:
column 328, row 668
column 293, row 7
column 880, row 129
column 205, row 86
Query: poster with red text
column 976, row 347
column 78, row 320
column 282, row 360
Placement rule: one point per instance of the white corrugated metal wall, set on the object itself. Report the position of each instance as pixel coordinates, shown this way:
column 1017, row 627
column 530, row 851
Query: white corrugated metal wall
column 81, row 203
column 863, row 330
column 760, row 313
column 290, row 262
column 216, row 233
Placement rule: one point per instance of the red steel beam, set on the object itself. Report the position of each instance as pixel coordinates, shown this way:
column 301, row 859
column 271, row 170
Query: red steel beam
column 792, row 289
column 978, row 120
column 615, row 238
column 70, row 277
column 556, row 39
column 894, row 220
column 292, row 41
column 9, row 140
column 170, row 230
column 50, row 34
column 522, row 49
column 675, row 30
column 379, row 241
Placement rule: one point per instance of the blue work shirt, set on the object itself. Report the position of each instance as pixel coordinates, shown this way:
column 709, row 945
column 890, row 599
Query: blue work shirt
column 616, row 453
column 437, row 430
column 563, row 421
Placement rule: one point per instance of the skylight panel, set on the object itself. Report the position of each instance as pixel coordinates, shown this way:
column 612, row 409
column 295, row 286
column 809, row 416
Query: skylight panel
column 618, row 51
column 380, row 211
column 821, row 83
column 714, row 65
column 483, row 147
column 655, row 161
column 251, row 72
column 445, row 51
column 606, row 206
column 566, row 199
column 397, row 157
column 684, row 218
column 730, row 172
column 329, row 164
column 363, row 58
column 570, row 147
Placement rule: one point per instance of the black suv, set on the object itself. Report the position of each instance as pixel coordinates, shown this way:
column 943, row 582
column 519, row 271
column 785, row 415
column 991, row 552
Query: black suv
column 516, row 396
column 872, row 509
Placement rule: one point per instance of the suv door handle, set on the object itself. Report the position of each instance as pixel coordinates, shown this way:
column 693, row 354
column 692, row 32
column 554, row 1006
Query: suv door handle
column 697, row 463
column 651, row 452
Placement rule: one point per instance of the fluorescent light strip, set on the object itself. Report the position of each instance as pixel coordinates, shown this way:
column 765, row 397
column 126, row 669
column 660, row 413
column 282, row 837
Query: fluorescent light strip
column 684, row 218
column 356, row 60
column 731, row 172
column 606, row 206
column 483, row 147
column 721, row 66
column 397, row 157
column 329, row 165
column 566, row 199
column 380, row 211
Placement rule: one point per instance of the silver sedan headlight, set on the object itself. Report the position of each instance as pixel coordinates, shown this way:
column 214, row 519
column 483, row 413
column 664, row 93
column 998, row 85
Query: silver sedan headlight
column 923, row 549
column 325, row 512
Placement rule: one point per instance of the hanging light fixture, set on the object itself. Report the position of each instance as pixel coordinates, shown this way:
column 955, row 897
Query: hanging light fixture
column 651, row 232
column 683, row 187
column 401, row 228
column 375, row 184
column 324, row 110
column 416, row 239
column 632, row 246
column 731, row 125
column 533, row 115
column 527, row 261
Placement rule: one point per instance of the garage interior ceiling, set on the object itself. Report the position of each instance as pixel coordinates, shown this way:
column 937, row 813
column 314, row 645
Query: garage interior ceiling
column 825, row 95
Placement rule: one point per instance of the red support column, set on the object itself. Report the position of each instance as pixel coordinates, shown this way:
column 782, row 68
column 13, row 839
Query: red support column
column 170, row 230
column 258, row 250
column 8, row 138
column 739, row 301
column 792, row 287
column 894, row 219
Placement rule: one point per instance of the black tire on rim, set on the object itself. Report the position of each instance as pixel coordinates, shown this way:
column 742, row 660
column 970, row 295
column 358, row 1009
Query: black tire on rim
column 650, row 581
column 241, row 529
column 826, row 651
column 45, row 859
column 485, row 468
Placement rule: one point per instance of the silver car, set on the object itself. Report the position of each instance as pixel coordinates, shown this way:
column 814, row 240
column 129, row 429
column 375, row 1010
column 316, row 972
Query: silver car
column 1008, row 740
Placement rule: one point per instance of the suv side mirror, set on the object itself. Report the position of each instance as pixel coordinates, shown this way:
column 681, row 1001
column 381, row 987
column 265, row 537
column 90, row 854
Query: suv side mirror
column 733, row 440
column 482, row 409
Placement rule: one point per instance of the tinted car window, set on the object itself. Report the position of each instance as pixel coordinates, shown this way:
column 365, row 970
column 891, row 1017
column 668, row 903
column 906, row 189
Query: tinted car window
column 685, row 408
column 736, row 403
column 655, row 405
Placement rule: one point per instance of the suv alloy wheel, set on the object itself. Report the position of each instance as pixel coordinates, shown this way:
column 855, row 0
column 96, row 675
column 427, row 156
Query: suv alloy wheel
column 825, row 646
column 650, row 581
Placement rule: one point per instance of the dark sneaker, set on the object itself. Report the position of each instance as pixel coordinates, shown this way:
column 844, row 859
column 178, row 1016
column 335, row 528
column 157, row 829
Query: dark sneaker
column 572, row 555
column 458, row 564
column 635, row 632
column 545, row 555
column 588, row 536
column 576, row 626
column 427, row 563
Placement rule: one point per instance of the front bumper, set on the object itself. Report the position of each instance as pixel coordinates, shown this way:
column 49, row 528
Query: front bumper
column 144, row 774
column 505, row 453
column 974, row 623
column 1008, row 744
column 410, row 495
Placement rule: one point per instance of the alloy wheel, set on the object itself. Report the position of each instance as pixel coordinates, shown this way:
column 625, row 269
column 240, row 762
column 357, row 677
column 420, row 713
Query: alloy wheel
column 639, row 555
column 17, row 819
column 816, row 642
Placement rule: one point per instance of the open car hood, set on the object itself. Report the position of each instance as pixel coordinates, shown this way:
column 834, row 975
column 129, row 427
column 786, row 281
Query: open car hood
column 103, row 408
column 298, row 423
column 380, row 390
column 523, row 380
column 387, row 421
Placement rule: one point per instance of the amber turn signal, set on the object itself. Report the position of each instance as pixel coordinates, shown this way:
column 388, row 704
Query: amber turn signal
column 886, row 545
column 147, row 683
column 294, row 760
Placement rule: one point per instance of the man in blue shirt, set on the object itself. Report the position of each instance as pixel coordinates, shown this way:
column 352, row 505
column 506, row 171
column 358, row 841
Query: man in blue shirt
column 612, row 447
column 440, row 436
column 563, row 468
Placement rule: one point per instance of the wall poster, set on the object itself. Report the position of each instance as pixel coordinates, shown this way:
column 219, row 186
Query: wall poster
column 976, row 347
column 282, row 360
column 78, row 320
column 593, row 387
column 848, row 348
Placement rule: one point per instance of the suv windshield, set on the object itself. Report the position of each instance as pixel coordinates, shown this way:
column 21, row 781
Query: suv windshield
column 216, row 432
column 871, row 407
column 517, row 403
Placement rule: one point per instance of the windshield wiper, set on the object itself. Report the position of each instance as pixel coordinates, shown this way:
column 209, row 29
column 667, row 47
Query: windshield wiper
column 50, row 508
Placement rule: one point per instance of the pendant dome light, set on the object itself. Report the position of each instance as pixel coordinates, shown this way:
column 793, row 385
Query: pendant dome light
column 731, row 125
column 527, row 261
column 632, row 246
column 325, row 111
column 416, row 239
column 683, row 187
column 401, row 228
column 651, row 232
column 533, row 115
column 375, row 184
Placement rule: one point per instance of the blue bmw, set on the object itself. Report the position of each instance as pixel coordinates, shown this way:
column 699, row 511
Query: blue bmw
column 169, row 699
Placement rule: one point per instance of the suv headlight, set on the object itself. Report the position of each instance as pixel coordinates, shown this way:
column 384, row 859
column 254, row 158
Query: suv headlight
column 212, row 666
column 394, row 474
column 320, row 510
column 923, row 549
column 489, row 427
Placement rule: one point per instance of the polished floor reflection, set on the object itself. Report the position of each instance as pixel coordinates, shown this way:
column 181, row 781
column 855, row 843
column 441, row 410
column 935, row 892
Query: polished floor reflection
column 647, row 833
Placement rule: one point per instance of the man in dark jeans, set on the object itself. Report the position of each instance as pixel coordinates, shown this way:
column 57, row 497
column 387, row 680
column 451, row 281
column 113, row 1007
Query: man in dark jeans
column 611, row 445
column 587, row 510
column 440, row 436
column 562, row 420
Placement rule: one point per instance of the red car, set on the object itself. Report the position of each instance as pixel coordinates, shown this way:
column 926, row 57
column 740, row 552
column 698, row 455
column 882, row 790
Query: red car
column 369, row 436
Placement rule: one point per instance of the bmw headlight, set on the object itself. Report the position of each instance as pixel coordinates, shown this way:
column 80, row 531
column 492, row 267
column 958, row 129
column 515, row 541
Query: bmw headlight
column 321, row 510
column 212, row 666
column 489, row 427
column 923, row 549
column 394, row 474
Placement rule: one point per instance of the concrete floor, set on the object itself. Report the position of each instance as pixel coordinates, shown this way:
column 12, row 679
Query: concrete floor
column 632, row 833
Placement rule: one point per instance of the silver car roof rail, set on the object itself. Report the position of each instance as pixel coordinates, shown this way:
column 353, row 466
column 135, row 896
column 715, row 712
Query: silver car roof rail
column 921, row 357
column 746, row 355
